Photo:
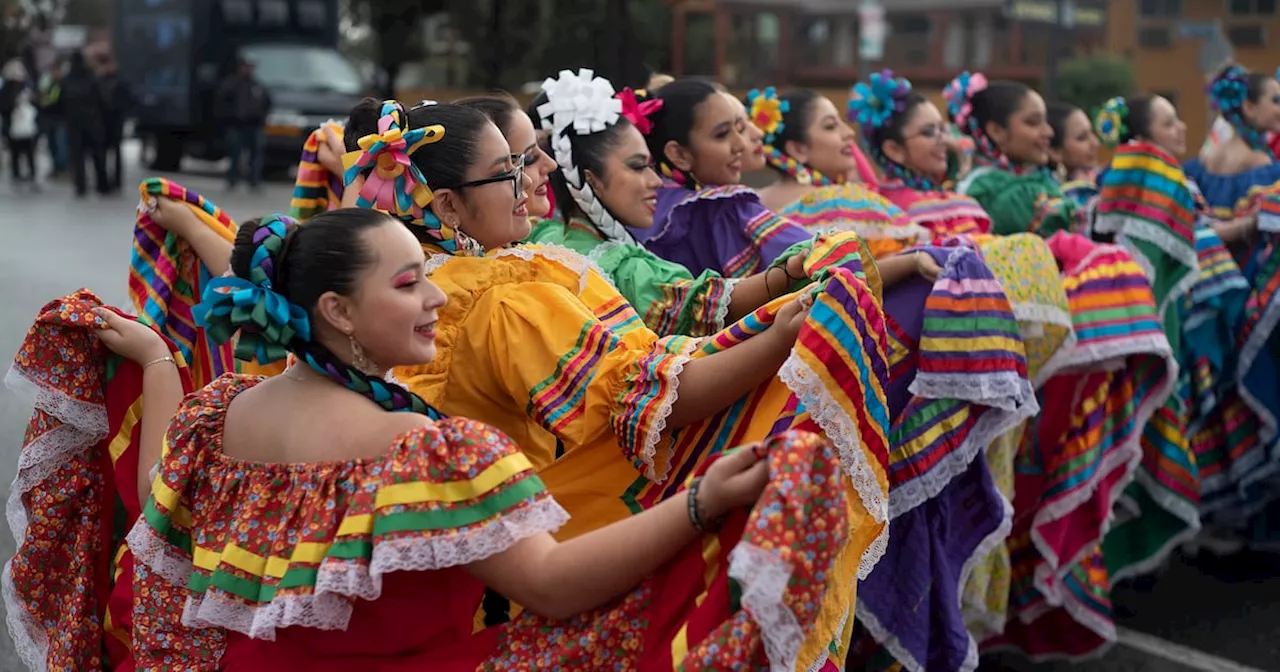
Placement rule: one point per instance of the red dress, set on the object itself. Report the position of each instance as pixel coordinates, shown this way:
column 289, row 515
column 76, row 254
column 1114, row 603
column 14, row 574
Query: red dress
column 360, row 564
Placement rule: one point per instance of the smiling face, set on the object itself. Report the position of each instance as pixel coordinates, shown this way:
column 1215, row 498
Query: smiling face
column 393, row 309
column 538, row 166
column 628, row 186
column 1167, row 130
column 923, row 147
column 1264, row 114
column 716, row 144
column 1079, row 150
column 1027, row 136
column 828, row 141
column 490, row 205
column 753, row 158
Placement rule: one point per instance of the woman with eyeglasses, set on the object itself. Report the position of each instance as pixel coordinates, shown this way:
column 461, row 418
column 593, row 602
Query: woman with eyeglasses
column 536, row 342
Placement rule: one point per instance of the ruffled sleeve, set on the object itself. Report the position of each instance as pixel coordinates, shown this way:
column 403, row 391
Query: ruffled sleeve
column 576, row 375
column 226, row 545
column 666, row 295
column 1019, row 203
column 725, row 229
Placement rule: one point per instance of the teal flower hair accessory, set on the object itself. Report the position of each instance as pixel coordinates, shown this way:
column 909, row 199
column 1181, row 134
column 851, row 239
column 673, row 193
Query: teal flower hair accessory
column 875, row 101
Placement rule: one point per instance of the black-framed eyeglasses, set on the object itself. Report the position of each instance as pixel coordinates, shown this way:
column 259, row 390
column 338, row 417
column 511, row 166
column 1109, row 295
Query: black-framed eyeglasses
column 517, row 172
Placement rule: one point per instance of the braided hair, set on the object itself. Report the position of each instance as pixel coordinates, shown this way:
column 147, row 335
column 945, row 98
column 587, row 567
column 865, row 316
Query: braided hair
column 1229, row 91
column 280, row 272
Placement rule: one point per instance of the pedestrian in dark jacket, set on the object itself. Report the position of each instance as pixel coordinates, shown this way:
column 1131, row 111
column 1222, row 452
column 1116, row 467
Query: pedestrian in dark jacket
column 243, row 105
column 115, row 105
column 86, row 131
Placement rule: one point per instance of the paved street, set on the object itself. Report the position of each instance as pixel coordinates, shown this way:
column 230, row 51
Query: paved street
column 52, row 244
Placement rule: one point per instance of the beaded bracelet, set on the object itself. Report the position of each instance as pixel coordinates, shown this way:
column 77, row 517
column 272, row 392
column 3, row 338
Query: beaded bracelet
column 694, row 516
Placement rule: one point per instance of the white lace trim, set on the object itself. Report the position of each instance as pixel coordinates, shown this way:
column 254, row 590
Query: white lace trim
column 993, row 424
column 983, row 623
column 1263, row 331
column 876, row 230
column 1268, row 223
column 648, row 451
column 721, row 315
column 435, row 261
column 1128, row 229
column 1183, row 510
column 84, row 426
column 734, row 192
column 764, row 576
column 338, row 583
column 1050, row 572
column 841, row 430
column 570, row 259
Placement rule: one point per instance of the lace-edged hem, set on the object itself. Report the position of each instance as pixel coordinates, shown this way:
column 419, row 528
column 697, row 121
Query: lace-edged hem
column 84, row 426
column 994, row 423
column 841, row 430
column 720, row 316
column 1127, row 456
column 340, row 582
column 764, row 576
column 647, row 452
column 1004, row 390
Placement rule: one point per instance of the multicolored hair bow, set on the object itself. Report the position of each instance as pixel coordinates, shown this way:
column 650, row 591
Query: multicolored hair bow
column 267, row 321
column 394, row 184
column 638, row 111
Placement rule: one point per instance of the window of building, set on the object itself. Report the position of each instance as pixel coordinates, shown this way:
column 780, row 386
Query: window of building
column 910, row 41
column 1252, row 7
column 1160, row 9
column 1156, row 37
column 1247, row 36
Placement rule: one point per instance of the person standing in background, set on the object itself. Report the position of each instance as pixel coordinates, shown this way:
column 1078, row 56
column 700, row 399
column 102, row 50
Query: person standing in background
column 15, row 83
column 243, row 105
column 115, row 105
column 24, row 129
column 82, row 105
column 53, row 123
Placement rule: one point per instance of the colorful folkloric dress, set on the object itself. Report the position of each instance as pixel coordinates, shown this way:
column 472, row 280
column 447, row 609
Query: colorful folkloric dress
column 853, row 207
column 958, row 381
column 166, row 279
column 537, row 343
column 361, row 565
column 665, row 294
column 1255, row 463
column 1072, row 467
column 68, row 588
column 1029, row 201
column 726, row 229
column 1081, row 189
column 669, row 299
column 315, row 189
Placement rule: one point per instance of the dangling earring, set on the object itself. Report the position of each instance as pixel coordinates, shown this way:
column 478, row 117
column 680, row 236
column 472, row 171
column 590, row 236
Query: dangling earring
column 358, row 358
column 466, row 245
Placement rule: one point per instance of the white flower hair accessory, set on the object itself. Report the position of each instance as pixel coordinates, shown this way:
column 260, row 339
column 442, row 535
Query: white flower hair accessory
column 581, row 104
